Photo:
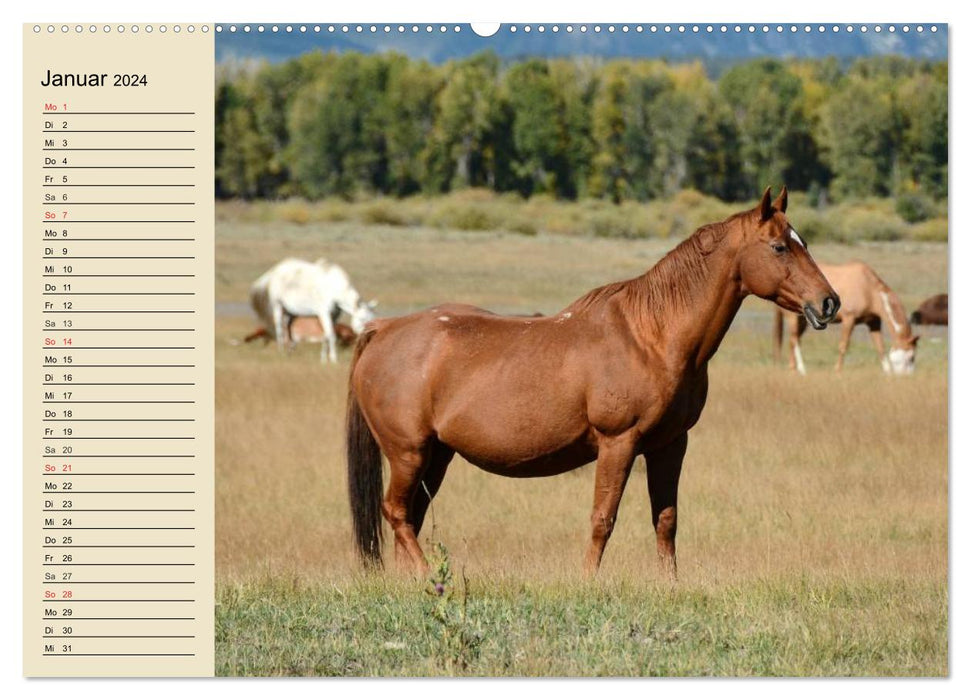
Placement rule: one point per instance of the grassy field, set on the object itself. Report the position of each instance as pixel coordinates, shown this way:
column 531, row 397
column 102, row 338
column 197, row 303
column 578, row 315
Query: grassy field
column 813, row 511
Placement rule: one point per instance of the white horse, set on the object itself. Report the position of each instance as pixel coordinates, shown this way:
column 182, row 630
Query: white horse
column 299, row 288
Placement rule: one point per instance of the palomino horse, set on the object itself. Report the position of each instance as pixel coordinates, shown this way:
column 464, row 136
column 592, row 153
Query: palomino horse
column 299, row 288
column 932, row 312
column 621, row 372
column 307, row 329
column 865, row 299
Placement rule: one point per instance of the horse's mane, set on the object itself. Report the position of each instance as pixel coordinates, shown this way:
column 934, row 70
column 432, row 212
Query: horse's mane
column 670, row 284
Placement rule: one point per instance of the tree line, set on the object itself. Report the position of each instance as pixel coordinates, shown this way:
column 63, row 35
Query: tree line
column 349, row 124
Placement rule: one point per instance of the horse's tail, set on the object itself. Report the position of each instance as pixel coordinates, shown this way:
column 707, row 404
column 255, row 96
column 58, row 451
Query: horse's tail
column 777, row 336
column 259, row 299
column 364, row 478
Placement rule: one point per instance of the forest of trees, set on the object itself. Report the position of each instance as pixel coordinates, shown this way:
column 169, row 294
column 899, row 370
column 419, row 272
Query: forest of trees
column 348, row 125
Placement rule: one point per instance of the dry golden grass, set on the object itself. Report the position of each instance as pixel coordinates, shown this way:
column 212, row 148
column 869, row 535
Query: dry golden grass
column 782, row 473
column 842, row 474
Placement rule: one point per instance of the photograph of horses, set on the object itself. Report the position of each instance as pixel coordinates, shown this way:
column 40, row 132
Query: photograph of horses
column 550, row 428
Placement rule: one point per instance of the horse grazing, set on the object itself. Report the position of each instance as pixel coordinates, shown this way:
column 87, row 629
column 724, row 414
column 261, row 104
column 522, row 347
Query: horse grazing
column 933, row 312
column 621, row 372
column 865, row 299
column 307, row 329
column 299, row 288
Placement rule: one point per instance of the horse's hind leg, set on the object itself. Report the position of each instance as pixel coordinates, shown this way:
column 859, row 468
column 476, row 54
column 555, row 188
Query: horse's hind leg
column 663, row 474
column 877, row 337
column 439, row 457
column 615, row 458
column 407, row 466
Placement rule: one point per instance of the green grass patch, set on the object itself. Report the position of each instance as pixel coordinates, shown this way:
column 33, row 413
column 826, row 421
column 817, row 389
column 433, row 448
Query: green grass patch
column 387, row 626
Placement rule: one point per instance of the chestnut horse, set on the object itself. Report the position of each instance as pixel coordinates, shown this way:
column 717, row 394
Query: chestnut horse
column 621, row 372
column 307, row 329
column 866, row 299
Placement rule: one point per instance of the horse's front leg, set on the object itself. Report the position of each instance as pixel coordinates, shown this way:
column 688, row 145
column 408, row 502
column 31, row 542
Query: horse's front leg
column 848, row 323
column 328, row 348
column 663, row 474
column 614, row 460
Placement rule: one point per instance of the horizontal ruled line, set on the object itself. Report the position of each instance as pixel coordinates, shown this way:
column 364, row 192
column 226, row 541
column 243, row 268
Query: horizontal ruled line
column 119, row 420
column 120, row 618
column 119, row 528
column 144, row 401
column 119, row 257
column 102, row 583
column 120, row 456
column 119, row 510
column 123, row 311
column 70, row 492
column 115, row 437
column 118, row 149
column 119, row 636
column 114, row 275
column 116, row 654
column 112, row 204
column 118, row 546
column 122, row 221
column 56, row 113
column 117, row 131
column 118, row 384
column 72, row 239
column 73, row 474
column 119, row 330
column 73, row 564
column 119, row 167
column 72, row 366
column 105, row 184
column 119, row 294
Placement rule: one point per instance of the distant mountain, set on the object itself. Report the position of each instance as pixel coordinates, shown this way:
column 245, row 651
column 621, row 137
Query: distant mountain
column 438, row 47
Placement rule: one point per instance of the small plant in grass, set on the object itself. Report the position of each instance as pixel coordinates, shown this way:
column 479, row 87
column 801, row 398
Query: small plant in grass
column 457, row 640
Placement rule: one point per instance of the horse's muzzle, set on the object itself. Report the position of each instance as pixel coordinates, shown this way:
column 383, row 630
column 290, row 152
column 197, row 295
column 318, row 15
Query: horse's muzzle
column 819, row 320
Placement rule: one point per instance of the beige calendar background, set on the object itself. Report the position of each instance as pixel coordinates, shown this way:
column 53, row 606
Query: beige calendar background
column 118, row 378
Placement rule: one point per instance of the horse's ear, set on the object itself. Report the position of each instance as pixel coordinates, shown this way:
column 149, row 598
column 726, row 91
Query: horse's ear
column 913, row 341
column 782, row 201
column 765, row 207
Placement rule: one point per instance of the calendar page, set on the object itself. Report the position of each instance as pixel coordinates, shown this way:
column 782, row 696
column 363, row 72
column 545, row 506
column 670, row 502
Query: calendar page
column 529, row 350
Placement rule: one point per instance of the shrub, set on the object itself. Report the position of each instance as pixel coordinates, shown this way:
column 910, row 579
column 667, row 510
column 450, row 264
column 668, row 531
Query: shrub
column 295, row 211
column 934, row 230
column 868, row 225
column 915, row 207
column 465, row 217
column 383, row 211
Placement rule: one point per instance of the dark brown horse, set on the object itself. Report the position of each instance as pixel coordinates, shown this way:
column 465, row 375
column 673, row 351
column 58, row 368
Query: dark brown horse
column 932, row 312
column 621, row 372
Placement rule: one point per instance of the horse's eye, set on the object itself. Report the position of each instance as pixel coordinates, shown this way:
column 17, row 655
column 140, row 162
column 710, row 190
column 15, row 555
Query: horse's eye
column 779, row 247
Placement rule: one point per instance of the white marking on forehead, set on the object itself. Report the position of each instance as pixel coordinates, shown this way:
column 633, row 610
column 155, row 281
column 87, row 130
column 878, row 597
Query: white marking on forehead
column 564, row 317
column 795, row 236
column 443, row 318
column 897, row 326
